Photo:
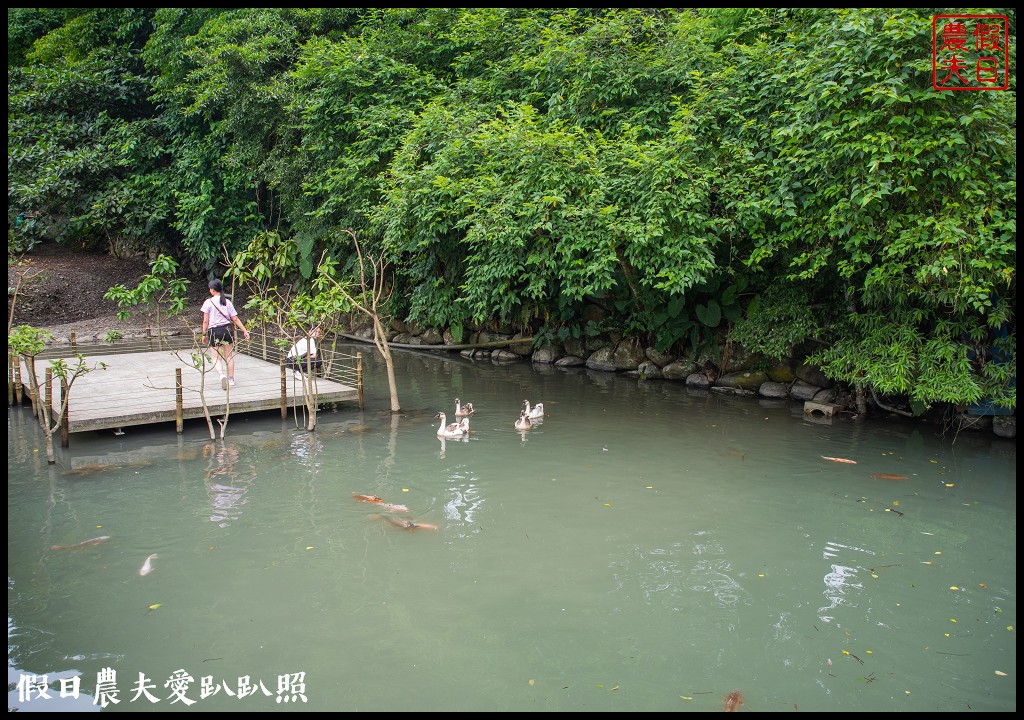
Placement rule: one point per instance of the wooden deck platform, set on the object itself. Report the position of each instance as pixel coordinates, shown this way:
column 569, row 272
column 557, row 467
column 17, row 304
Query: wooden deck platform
column 140, row 388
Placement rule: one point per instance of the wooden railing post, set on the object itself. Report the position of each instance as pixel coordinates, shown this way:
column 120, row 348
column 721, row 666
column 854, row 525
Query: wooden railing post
column 179, row 410
column 149, row 338
column 65, row 435
column 74, row 335
column 19, row 385
column 19, row 390
column 10, row 378
column 359, row 377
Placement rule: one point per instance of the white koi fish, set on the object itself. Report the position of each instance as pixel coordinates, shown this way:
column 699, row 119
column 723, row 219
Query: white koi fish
column 147, row 567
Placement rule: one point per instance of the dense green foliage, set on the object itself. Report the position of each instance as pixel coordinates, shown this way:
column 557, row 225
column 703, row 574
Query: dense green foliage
column 780, row 178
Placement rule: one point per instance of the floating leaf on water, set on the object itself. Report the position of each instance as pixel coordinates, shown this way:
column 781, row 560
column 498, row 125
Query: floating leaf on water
column 615, row 688
column 952, row 619
column 405, row 489
column 1000, row 673
column 309, row 547
column 532, row 682
column 982, row 585
column 953, row 587
column 154, row 606
column 685, row 697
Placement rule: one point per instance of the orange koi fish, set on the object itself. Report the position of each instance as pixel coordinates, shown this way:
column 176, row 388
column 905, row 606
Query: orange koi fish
column 842, row 460
column 887, row 476
column 367, row 498
column 732, row 701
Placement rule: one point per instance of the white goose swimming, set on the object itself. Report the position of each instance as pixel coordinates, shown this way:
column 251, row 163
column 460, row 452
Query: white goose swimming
column 448, row 430
column 524, row 422
column 533, row 413
column 463, row 410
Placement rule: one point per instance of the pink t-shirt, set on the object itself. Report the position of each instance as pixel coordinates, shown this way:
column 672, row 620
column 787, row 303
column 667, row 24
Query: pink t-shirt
column 219, row 314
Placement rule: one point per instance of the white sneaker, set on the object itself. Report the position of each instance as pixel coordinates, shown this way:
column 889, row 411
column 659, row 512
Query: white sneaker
column 223, row 382
column 298, row 375
column 232, row 381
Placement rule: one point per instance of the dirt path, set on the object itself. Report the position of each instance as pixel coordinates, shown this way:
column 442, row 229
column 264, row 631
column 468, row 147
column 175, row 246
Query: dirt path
column 63, row 292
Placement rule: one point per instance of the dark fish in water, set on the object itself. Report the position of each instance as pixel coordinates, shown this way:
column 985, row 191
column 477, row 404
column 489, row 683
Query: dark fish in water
column 732, row 701
column 84, row 544
column 97, row 468
column 407, row 524
column 887, row 476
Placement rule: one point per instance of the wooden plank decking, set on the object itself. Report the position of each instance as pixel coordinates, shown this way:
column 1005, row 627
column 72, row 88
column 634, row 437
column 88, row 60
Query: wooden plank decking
column 140, row 388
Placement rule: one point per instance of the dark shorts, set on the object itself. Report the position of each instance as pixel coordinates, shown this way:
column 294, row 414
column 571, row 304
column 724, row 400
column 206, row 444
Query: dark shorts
column 300, row 364
column 221, row 335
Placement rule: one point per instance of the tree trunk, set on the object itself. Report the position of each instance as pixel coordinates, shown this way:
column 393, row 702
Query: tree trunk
column 380, row 340
column 309, row 395
column 861, row 400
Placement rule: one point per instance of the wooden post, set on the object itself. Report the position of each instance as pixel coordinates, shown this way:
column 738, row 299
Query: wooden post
column 179, row 411
column 359, row 377
column 18, row 389
column 10, row 378
column 65, row 435
column 73, row 337
column 284, row 390
column 149, row 338
column 263, row 341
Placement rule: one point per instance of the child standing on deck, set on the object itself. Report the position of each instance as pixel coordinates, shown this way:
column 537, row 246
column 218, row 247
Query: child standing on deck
column 219, row 318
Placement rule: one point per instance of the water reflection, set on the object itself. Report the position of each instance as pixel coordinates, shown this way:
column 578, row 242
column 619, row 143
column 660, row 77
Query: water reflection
column 839, row 581
column 445, row 441
column 463, row 503
column 227, row 482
